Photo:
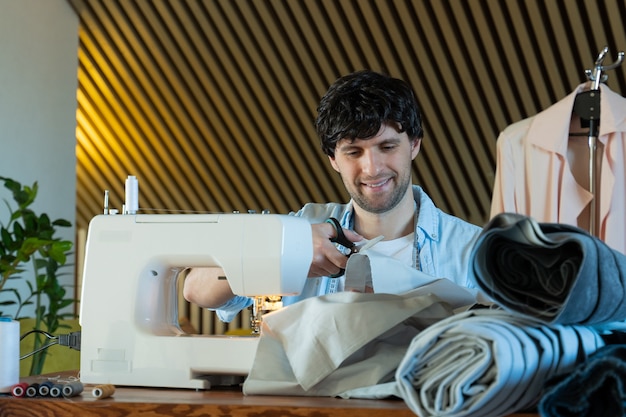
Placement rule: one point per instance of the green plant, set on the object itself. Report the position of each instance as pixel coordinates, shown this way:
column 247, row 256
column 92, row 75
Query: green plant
column 30, row 238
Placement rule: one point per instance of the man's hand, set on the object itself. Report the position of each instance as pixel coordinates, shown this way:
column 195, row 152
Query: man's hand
column 327, row 260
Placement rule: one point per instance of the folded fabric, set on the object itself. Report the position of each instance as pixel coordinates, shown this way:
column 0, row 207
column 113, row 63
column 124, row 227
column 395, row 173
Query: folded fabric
column 487, row 363
column 326, row 345
column 553, row 272
column 597, row 387
column 346, row 344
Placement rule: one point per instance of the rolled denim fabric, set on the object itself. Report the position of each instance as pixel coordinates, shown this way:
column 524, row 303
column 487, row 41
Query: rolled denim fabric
column 556, row 273
column 488, row 363
column 597, row 387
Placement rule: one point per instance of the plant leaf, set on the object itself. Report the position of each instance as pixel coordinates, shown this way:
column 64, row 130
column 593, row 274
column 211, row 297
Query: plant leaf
column 61, row 223
column 58, row 251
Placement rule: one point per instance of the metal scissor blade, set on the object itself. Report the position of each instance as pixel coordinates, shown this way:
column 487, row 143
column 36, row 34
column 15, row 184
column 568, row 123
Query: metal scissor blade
column 369, row 243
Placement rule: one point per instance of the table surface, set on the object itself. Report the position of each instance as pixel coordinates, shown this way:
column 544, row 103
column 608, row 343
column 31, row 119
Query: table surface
column 157, row 402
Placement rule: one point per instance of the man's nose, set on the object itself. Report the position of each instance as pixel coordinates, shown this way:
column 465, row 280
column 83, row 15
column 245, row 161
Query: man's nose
column 371, row 163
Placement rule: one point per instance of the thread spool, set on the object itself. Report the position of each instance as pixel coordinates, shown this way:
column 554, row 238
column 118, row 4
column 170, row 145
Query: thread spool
column 32, row 390
column 9, row 354
column 72, row 389
column 103, row 391
column 56, row 390
column 131, row 191
column 19, row 390
column 44, row 388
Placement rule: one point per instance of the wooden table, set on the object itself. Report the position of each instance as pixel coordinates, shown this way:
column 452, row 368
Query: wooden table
column 165, row 402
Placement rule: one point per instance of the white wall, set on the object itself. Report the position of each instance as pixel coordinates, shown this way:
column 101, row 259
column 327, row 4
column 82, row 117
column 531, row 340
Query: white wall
column 38, row 83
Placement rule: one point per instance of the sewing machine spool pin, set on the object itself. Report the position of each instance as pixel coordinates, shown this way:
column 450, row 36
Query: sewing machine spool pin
column 106, row 201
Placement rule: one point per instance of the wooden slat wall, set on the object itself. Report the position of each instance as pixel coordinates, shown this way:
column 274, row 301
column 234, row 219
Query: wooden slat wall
column 210, row 103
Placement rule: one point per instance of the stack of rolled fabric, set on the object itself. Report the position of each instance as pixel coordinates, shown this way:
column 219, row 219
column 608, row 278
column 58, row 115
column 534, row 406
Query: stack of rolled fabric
column 487, row 362
column 560, row 274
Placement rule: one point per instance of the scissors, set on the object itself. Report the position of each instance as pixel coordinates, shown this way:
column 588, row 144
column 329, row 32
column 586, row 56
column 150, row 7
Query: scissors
column 352, row 247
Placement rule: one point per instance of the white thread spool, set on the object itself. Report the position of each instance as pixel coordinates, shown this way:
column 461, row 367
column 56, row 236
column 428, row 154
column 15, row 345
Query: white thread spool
column 9, row 353
column 131, row 205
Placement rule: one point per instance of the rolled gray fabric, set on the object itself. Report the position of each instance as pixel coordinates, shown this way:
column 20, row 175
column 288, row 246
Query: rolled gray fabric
column 487, row 363
column 556, row 273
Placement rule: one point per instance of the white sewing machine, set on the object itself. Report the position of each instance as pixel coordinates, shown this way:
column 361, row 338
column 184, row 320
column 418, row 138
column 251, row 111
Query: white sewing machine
column 130, row 333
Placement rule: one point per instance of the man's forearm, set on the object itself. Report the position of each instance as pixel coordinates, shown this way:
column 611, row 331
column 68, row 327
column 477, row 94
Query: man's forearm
column 204, row 288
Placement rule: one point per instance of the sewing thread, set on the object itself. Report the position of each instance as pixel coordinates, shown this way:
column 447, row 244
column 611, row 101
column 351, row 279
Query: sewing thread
column 32, row 390
column 19, row 390
column 44, row 388
column 103, row 391
column 56, row 390
column 72, row 389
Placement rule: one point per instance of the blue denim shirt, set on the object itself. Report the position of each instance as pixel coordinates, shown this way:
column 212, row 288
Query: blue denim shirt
column 443, row 244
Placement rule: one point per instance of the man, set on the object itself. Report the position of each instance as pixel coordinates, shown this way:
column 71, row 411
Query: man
column 370, row 127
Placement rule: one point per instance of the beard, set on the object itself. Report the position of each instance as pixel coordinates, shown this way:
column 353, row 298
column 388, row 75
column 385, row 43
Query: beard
column 385, row 201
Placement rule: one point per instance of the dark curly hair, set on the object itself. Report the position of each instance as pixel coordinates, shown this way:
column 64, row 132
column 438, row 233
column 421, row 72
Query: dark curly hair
column 358, row 104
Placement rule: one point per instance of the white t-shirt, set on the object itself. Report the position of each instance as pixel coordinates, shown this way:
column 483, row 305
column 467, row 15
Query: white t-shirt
column 400, row 249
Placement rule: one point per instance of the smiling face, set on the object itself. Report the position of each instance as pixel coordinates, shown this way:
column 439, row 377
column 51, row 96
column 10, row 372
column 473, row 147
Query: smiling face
column 377, row 171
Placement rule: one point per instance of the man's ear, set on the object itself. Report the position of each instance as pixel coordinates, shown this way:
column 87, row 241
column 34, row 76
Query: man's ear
column 415, row 147
column 333, row 163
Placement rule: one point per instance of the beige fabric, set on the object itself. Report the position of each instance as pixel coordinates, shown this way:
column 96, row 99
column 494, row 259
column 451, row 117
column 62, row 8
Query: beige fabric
column 328, row 345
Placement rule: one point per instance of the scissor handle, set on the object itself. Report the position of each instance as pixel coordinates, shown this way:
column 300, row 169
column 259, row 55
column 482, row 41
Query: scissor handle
column 340, row 237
